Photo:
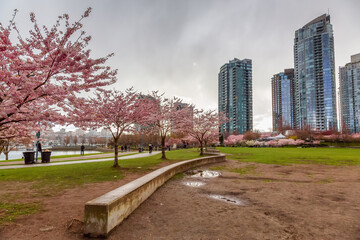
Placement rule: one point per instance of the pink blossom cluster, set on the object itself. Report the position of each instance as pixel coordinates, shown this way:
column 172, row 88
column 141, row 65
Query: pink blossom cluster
column 45, row 70
column 341, row 137
column 234, row 139
column 356, row 135
column 173, row 141
column 288, row 142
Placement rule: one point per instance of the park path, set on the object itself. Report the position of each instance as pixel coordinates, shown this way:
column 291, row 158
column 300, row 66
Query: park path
column 104, row 155
column 140, row 155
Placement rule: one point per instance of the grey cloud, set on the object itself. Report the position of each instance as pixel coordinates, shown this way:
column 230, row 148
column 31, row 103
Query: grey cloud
column 156, row 43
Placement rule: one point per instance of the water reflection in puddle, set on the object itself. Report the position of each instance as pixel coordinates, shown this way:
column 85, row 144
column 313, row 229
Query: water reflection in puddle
column 206, row 174
column 194, row 184
column 227, row 199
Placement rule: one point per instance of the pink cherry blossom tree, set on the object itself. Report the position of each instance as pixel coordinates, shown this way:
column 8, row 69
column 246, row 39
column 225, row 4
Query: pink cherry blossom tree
column 168, row 115
column 204, row 127
column 48, row 67
column 113, row 110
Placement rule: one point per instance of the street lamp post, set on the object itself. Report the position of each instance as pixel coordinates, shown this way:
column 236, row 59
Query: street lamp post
column 37, row 145
column 141, row 143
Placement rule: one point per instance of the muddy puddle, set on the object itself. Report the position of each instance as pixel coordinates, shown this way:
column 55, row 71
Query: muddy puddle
column 205, row 174
column 203, row 178
column 201, row 175
column 228, row 199
column 194, row 184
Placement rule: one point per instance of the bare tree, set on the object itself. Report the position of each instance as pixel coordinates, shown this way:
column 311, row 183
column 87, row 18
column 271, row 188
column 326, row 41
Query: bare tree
column 67, row 140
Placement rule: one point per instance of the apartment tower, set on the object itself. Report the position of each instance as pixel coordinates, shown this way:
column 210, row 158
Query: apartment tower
column 283, row 102
column 235, row 95
column 314, row 76
column 349, row 89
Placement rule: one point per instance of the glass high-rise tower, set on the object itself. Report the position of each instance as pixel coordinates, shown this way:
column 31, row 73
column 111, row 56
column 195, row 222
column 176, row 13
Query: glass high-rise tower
column 314, row 80
column 235, row 95
column 349, row 77
column 283, row 114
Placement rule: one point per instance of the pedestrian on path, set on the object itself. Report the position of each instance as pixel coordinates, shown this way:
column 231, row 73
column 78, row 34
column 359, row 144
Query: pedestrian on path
column 150, row 148
column 82, row 149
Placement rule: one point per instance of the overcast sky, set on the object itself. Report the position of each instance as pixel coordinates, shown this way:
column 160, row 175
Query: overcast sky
column 178, row 46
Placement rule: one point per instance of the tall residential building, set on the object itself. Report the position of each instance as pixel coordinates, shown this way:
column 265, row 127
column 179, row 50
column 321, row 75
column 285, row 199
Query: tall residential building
column 235, row 95
column 314, row 81
column 349, row 77
column 283, row 114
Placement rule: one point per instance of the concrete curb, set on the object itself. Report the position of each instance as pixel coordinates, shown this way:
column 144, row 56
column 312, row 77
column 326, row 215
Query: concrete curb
column 104, row 213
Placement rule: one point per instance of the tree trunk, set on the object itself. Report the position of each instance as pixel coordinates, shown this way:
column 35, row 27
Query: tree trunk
column 6, row 150
column 116, row 145
column 201, row 149
column 163, row 148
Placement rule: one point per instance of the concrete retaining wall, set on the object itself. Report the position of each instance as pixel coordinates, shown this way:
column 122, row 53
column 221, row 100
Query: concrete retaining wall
column 109, row 210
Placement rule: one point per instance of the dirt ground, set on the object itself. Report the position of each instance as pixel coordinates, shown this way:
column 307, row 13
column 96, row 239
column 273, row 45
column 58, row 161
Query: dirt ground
column 258, row 201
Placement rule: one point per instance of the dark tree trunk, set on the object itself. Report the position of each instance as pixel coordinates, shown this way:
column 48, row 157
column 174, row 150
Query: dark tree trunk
column 163, row 148
column 201, row 149
column 6, row 150
column 116, row 160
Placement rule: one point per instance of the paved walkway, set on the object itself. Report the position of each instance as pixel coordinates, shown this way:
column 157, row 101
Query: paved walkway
column 104, row 155
column 140, row 155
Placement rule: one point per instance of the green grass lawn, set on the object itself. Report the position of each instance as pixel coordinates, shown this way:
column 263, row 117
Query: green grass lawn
column 284, row 156
column 14, row 210
column 51, row 180
column 64, row 176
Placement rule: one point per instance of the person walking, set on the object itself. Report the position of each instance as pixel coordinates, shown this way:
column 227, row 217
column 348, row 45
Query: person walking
column 122, row 148
column 150, row 148
column 125, row 148
column 82, row 149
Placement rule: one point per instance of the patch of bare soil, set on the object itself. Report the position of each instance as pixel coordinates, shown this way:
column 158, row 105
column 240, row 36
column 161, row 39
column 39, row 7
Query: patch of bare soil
column 61, row 216
column 261, row 202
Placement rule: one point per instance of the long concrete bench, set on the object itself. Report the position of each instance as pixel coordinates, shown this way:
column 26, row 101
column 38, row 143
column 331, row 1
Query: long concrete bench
column 104, row 213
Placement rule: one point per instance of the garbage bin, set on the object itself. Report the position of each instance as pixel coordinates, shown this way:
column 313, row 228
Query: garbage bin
column 29, row 157
column 45, row 156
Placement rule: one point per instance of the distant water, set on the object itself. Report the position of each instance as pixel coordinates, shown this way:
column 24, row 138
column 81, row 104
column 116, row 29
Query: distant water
column 18, row 154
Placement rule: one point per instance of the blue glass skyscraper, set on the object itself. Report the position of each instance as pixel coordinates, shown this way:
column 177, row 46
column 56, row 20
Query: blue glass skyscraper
column 235, row 95
column 349, row 77
column 283, row 114
column 314, row 81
